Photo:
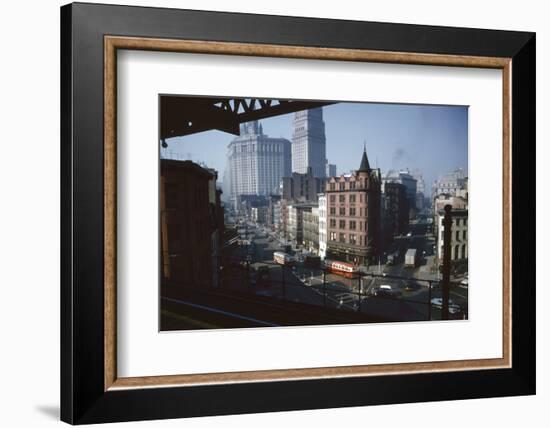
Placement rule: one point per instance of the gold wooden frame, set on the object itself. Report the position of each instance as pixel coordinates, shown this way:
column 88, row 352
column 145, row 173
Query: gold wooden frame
column 113, row 43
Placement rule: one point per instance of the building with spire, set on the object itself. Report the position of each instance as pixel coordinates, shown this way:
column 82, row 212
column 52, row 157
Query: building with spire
column 256, row 163
column 309, row 146
column 354, row 215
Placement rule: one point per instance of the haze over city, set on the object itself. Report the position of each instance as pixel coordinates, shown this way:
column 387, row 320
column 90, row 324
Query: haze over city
column 433, row 139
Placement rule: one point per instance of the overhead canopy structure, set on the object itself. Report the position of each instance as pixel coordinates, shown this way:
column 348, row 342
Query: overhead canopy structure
column 183, row 115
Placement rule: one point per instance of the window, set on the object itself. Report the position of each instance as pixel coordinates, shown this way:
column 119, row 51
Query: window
column 343, row 238
column 352, row 239
column 464, row 251
column 342, row 186
column 332, row 222
column 342, row 224
column 352, row 211
column 352, row 224
column 342, row 198
column 342, row 211
column 464, row 234
column 456, row 252
column 333, row 236
column 332, row 198
column 352, row 198
column 352, row 185
column 332, row 210
column 458, row 235
column 360, row 197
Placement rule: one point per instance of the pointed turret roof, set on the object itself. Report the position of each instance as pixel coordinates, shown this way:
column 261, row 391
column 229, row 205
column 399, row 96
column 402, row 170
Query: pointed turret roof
column 364, row 167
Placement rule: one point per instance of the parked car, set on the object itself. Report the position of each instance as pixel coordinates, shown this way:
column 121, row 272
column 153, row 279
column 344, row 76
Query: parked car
column 453, row 307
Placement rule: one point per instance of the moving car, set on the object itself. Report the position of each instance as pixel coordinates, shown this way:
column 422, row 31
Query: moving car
column 386, row 290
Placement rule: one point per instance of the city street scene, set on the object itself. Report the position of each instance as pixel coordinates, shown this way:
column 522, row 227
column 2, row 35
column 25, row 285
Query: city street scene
column 292, row 213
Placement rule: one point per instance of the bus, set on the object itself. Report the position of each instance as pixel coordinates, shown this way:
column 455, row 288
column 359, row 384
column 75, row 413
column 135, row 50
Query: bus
column 282, row 258
column 342, row 268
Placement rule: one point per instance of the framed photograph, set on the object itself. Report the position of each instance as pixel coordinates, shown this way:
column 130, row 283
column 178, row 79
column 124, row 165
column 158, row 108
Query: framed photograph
column 267, row 213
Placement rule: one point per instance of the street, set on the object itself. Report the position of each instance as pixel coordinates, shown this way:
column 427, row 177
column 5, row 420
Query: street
column 411, row 294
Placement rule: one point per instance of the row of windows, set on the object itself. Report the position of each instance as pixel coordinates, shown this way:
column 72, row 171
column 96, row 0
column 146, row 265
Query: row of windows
column 353, row 224
column 352, row 212
column 342, row 198
column 260, row 148
column 458, row 221
column 352, row 185
column 458, row 253
column 349, row 239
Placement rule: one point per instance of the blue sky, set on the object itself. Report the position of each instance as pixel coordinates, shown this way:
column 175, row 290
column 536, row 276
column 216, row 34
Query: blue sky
column 433, row 139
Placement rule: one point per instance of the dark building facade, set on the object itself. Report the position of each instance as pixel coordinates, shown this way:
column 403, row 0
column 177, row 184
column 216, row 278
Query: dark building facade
column 191, row 222
column 273, row 217
column 302, row 187
column 354, row 215
column 395, row 211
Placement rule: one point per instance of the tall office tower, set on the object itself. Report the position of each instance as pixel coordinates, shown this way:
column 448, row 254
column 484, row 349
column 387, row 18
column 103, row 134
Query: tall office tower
column 309, row 146
column 257, row 163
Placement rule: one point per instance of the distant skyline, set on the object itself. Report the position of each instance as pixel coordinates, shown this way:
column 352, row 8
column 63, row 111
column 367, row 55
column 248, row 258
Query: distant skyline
column 433, row 139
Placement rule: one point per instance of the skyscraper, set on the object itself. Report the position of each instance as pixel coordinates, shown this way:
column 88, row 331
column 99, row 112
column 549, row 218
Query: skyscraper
column 309, row 142
column 256, row 163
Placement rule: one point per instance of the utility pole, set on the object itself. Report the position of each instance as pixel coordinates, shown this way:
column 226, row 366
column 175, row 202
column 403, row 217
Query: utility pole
column 324, row 289
column 359, row 283
column 447, row 226
column 283, row 285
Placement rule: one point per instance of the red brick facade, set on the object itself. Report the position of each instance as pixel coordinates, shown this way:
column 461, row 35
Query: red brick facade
column 353, row 215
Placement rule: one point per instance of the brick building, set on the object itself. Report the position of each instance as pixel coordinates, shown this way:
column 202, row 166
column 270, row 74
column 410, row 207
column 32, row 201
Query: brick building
column 354, row 215
column 191, row 221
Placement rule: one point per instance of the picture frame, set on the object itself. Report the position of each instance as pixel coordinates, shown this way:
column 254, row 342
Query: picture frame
column 91, row 391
